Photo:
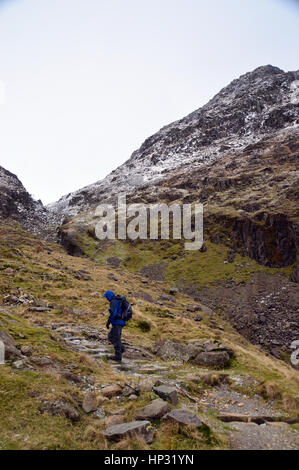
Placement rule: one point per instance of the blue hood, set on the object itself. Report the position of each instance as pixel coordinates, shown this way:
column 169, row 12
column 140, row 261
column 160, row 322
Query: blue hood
column 109, row 295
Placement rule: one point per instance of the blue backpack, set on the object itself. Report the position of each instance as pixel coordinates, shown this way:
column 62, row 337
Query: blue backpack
column 126, row 308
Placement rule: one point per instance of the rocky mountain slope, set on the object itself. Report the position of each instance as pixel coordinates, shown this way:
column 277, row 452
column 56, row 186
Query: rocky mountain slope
column 238, row 155
column 188, row 379
column 17, row 204
column 210, row 341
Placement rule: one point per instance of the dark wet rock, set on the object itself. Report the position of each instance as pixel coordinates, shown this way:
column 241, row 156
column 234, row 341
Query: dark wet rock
column 133, row 429
column 155, row 410
column 167, row 298
column 90, row 402
column 174, row 350
column 183, row 417
column 167, row 393
column 70, row 240
column 111, row 391
column 275, row 352
column 212, row 359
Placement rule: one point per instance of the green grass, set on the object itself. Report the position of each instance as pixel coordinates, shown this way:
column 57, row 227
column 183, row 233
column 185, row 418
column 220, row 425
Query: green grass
column 191, row 267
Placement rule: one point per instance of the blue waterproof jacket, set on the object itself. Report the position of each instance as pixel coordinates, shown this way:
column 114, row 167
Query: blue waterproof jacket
column 114, row 310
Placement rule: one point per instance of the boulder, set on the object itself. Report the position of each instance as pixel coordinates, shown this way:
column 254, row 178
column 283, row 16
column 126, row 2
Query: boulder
column 183, row 417
column 26, row 350
column 11, row 351
column 111, row 391
column 155, row 410
column 167, row 298
column 132, row 429
column 89, row 402
column 167, row 393
column 175, row 350
column 194, row 308
column 146, row 385
column 131, row 388
column 42, row 361
column 212, row 359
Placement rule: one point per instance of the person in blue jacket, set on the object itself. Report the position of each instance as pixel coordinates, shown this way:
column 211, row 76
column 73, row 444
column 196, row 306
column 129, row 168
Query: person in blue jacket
column 117, row 323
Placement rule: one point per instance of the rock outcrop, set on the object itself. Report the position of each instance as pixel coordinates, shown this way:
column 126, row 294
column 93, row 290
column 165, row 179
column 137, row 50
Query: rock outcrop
column 237, row 155
column 18, row 205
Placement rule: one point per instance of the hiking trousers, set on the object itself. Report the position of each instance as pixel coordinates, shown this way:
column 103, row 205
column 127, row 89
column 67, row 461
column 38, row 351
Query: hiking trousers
column 114, row 336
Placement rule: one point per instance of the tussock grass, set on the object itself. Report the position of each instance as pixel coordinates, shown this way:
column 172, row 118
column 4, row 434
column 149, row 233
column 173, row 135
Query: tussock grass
column 50, row 277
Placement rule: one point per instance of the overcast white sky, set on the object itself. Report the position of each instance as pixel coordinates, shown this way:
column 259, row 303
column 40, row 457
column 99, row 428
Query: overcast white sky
column 84, row 82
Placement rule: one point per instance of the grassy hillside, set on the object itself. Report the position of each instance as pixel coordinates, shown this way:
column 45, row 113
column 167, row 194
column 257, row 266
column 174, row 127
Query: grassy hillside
column 71, row 290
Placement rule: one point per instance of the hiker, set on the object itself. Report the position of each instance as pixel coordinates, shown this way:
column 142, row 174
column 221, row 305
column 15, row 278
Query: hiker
column 117, row 322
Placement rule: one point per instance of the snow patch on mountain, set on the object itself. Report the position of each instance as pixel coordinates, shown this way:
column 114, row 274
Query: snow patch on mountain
column 256, row 105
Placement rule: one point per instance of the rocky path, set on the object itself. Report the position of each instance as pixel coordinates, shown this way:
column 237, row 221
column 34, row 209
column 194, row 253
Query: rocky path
column 229, row 402
column 259, row 433
column 251, row 422
column 268, row 436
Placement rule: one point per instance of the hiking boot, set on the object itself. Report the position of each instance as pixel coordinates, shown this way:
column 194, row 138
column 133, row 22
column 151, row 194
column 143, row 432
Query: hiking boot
column 113, row 358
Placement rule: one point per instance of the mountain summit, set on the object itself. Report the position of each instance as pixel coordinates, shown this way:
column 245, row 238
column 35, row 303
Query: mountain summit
column 259, row 104
column 237, row 155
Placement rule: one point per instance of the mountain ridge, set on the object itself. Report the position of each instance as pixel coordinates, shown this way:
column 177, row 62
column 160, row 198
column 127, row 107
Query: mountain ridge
column 237, row 155
column 193, row 138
